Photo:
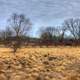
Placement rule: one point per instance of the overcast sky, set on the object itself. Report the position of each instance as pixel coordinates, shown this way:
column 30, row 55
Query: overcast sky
column 41, row 12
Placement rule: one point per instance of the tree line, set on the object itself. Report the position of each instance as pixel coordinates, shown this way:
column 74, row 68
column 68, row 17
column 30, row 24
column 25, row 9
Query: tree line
column 16, row 34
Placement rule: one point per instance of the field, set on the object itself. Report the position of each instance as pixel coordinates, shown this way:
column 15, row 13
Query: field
column 56, row 63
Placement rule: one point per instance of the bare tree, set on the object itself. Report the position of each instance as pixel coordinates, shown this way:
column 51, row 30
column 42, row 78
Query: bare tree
column 73, row 25
column 20, row 27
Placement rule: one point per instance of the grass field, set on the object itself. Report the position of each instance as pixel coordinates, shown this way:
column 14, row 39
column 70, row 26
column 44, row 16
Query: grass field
column 56, row 63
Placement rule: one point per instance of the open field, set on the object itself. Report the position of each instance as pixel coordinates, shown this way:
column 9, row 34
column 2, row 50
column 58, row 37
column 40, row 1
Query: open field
column 57, row 63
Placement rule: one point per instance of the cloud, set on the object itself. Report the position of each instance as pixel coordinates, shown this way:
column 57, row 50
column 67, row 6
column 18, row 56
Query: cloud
column 41, row 10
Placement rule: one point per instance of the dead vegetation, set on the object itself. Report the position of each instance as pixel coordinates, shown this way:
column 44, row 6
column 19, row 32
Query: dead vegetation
column 40, row 64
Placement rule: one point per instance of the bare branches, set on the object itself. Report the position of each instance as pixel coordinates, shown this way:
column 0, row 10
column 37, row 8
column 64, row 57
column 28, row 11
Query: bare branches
column 73, row 25
column 20, row 24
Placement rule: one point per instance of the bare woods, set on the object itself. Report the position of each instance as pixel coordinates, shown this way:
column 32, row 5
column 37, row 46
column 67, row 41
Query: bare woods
column 16, row 34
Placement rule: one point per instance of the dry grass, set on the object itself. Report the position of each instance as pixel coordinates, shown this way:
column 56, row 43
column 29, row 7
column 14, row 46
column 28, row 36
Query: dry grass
column 57, row 63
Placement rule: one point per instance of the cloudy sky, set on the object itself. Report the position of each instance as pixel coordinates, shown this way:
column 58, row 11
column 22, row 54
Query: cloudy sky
column 41, row 12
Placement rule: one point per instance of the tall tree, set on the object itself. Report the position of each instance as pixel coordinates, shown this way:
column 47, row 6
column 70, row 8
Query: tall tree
column 20, row 26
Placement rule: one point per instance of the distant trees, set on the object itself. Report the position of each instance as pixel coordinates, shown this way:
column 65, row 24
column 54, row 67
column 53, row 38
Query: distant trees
column 49, row 35
column 4, row 34
column 19, row 26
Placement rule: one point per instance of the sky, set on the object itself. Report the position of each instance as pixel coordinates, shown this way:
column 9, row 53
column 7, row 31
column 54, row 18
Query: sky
column 41, row 12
